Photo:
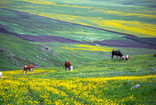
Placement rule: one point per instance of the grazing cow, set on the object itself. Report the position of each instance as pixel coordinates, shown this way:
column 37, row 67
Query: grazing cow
column 28, row 67
column 155, row 55
column 1, row 75
column 116, row 53
column 125, row 57
column 68, row 65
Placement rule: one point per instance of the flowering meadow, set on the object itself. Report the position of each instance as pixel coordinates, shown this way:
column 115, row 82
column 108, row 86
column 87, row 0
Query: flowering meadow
column 45, row 33
column 135, row 17
column 91, row 85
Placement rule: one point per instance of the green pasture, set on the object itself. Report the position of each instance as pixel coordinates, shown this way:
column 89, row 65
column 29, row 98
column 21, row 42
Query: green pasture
column 16, row 52
column 131, row 17
column 104, row 82
column 96, row 78
column 22, row 23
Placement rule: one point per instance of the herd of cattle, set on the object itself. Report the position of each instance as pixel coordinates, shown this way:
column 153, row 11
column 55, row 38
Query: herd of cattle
column 68, row 64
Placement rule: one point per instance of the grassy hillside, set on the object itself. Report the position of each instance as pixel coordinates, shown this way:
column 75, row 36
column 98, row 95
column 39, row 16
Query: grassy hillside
column 132, row 17
column 35, row 25
column 45, row 33
column 17, row 52
column 104, row 82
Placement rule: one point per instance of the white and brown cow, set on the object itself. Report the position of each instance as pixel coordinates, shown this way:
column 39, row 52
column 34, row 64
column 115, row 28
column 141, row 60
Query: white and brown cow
column 28, row 67
column 125, row 57
column 68, row 65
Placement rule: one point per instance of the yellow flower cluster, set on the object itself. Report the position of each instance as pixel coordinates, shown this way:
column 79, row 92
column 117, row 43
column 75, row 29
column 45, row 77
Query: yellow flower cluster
column 27, row 89
column 43, row 2
column 89, row 48
column 127, row 14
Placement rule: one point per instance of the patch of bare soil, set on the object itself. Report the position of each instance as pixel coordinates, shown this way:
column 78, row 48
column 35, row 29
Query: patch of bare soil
column 47, row 38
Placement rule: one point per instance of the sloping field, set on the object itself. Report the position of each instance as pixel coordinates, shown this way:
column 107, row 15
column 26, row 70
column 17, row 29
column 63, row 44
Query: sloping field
column 30, row 27
column 28, row 24
column 130, row 17
column 63, row 41
column 105, row 82
column 45, row 33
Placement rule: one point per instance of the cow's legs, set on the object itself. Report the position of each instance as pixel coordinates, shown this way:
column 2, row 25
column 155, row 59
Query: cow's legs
column 31, row 70
column 24, row 72
column 66, row 68
column 71, row 68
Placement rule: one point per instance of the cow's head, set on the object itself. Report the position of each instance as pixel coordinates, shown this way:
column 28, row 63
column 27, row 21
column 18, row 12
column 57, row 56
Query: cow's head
column 127, row 56
column 71, row 68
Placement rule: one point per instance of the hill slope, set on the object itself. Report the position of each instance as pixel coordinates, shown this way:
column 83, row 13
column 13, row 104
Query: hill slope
column 131, row 17
column 51, row 46
column 16, row 52
column 105, row 82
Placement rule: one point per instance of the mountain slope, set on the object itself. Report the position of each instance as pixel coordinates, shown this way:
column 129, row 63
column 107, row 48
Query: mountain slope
column 104, row 82
column 131, row 17
column 16, row 52
column 53, row 41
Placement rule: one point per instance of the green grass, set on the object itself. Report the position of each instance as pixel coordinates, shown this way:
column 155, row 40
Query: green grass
column 90, row 12
column 137, row 66
column 103, row 82
column 18, row 52
column 96, row 79
column 35, row 25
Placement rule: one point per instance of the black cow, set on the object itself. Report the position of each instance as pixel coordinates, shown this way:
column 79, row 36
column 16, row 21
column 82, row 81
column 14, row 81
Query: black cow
column 116, row 53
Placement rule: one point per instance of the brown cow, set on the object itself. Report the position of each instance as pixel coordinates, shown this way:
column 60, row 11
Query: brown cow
column 155, row 55
column 28, row 67
column 68, row 65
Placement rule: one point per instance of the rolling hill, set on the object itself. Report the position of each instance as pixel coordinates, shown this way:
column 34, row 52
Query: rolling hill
column 56, row 41
column 98, row 82
column 45, row 33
